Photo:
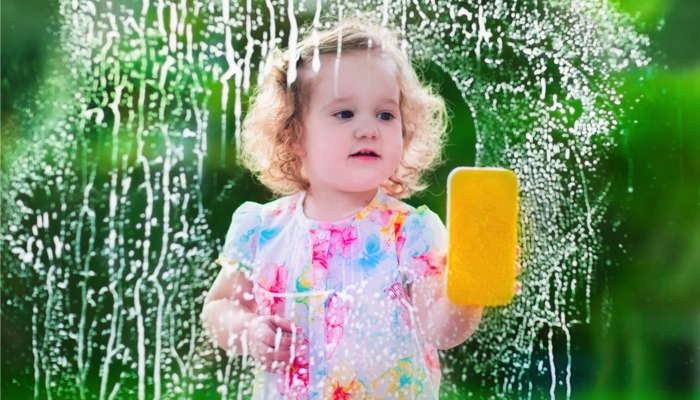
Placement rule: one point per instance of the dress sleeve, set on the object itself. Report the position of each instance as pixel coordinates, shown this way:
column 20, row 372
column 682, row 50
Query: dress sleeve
column 424, row 245
column 241, row 243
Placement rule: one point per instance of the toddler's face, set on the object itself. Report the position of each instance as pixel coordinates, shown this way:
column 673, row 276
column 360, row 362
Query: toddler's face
column 362, row 114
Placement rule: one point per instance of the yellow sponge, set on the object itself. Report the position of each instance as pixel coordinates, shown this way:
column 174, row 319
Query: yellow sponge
column 482, row 217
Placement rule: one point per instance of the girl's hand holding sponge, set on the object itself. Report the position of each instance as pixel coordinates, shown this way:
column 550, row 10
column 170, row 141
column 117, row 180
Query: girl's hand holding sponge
column 482, row 216
column 518, row 287
column 272, row 341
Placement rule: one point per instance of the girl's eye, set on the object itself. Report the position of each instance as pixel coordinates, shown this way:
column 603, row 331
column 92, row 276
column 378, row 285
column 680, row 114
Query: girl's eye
column 344, row 114
column 385, row 116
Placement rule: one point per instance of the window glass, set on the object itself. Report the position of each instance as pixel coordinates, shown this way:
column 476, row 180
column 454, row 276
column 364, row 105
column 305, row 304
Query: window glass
column 121, row 132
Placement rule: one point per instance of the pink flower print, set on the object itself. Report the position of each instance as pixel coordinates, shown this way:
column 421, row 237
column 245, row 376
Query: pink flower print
column 276, row 282
column 319, row 261
column 282, row 212
column 289, row 210
column 431, row 262
column 433, row 363
column 335, row 317
column 406, row 315
column 327, row 226
column 296, row 377
column 400, row 241
column 381, row 216
column 342, row 240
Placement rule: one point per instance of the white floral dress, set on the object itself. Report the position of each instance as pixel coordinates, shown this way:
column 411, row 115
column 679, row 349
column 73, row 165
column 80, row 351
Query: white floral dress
column 344, row 283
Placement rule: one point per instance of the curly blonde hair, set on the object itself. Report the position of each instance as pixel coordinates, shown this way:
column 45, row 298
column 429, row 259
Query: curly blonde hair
column 274, row 120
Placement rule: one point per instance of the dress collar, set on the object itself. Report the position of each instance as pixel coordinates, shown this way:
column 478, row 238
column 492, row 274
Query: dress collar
column 379, row 199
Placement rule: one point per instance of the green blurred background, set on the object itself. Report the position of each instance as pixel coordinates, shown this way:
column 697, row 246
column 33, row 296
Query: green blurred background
column 644, row 338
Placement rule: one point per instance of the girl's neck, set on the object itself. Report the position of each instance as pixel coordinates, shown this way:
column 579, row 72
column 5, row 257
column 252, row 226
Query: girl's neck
column 329, row 205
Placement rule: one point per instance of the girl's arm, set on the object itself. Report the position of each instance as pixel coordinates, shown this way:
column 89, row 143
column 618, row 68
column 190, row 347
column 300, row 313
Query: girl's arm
column 230, row 317
column 229, row 308
column 444, row 324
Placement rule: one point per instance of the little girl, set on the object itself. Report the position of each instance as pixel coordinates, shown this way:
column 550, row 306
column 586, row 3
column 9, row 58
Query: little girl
column 336, row 289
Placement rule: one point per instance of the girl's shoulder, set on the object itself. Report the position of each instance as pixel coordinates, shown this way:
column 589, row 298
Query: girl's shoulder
column 252, row 226
column 422, row 218
column 281, row 208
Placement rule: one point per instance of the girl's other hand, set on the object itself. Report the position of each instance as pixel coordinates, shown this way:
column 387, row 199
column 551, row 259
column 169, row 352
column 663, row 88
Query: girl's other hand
column 518, row 287
column 269, row 342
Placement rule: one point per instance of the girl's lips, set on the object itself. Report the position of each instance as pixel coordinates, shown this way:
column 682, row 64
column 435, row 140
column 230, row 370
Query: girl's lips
column 365, row 157
column 365, row 152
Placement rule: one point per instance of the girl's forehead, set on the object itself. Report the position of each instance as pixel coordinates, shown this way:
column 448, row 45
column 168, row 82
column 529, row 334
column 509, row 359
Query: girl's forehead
column 360, row 71
column 374, row 58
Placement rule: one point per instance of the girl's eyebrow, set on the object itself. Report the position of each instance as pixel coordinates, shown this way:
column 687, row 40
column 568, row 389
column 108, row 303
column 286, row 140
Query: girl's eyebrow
column 338, row 100
column 390, row 100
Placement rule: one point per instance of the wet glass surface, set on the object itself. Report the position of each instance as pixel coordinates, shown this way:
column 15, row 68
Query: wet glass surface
column 120, row 126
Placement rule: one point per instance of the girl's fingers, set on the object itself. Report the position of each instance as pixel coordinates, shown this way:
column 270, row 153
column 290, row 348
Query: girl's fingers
column 285, row 343
column 269, row 339
column 282, row 355
column 518, row 251
column 286, row 325
column 518, row 287
column 274, row 366
column 260, row 333
column 272, row 343
column 259, row 350
column 518, row 268
column 269, row 353
column 267, row 336
column 278, row 324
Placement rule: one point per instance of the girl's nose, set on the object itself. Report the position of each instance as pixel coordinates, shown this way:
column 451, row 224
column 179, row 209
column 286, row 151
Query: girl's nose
column 367, row 129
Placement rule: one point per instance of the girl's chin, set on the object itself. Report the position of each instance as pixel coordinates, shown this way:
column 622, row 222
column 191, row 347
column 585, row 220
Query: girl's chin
column 364, row 186
column 354, row 181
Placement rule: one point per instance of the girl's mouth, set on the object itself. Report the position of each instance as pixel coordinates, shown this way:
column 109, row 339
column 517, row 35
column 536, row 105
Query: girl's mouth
column 365, row 155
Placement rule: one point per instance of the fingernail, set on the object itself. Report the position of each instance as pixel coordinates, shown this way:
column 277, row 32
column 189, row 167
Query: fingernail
column 298, row 331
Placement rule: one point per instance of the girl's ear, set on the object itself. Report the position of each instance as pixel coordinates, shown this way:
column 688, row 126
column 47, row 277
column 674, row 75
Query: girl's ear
column 297, row 147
